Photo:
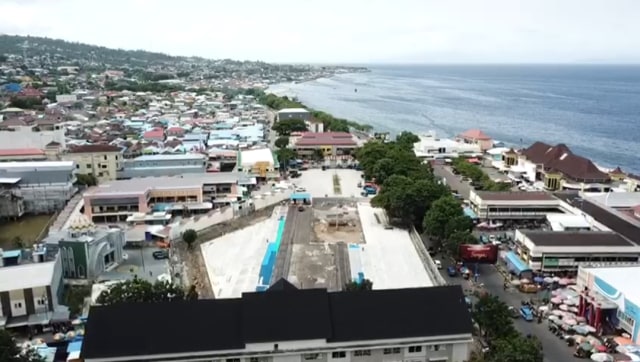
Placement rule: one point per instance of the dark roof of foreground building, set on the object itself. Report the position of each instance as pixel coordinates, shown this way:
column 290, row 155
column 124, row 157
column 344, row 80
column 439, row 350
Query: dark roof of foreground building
column 576, row 238
column 277, row 315
column 560, row 158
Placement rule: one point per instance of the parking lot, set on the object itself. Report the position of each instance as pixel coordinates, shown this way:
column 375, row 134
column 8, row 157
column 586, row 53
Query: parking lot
column 321, row 183
column 141, row 263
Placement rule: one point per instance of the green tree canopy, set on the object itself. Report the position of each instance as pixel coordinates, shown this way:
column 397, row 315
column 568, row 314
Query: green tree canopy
column 190, row 236
column 444, row 218
column 407, row 140
column 139, row 290
column 493, row 318
column 516, row 348
column 282, row 142
column 285, row 155
column 10, row 352
column 287, row 126
column 353, row 285
column 86, row 179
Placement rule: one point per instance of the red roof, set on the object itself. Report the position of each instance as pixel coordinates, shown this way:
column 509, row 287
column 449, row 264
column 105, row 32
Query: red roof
column 22, row 152
column 94, row 148
column 474, row 134
column 326, row 138
column 616, row 171
column 154, row 133
column 175, row 129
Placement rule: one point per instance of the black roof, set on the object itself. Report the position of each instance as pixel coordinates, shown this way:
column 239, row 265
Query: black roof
column 276, row 315
column 604, row 216
column 576, row 238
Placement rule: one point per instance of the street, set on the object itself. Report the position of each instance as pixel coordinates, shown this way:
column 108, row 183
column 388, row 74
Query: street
column 554, row 348
column 453, row 181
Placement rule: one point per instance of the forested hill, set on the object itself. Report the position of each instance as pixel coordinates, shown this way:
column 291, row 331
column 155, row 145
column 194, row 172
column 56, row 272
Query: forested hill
column 65, row 50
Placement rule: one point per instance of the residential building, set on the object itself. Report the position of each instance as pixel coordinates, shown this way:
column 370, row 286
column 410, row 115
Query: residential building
column 294, row 113
column 331, row 144
column 431, row 147
column 163, row 165
column 22, row 154
column 156, row 134
column 30, row 288
column 261, row 163
column 508, row 205
column 286, row 324
column 101, row 161
column 27, row 133
column 116, row 201
column 561, row 169
column 87, row 251
column 476, row 137
column 45, row 186
column 11, row 201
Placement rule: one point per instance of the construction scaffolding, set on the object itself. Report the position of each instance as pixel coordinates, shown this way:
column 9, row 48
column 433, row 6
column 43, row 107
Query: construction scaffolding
column 46, row 198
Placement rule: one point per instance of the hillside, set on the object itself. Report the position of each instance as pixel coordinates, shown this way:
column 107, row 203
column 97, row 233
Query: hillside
column 65, row 50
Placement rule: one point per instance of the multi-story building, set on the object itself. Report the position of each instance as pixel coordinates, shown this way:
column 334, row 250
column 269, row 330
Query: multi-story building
column 101, row 161
column 22, row 133
column 261, row 163
column 285, row 324
column 294, row 113
column 87, row 251
column 30, row 288
column 508, row 205
column 118, row 200
column 559, row 168
column 163, row 165
column 22, row 154
column 45, row 186
column 331, row 144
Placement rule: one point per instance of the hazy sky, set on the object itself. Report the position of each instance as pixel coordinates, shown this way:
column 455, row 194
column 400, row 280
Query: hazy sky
column 344, row 31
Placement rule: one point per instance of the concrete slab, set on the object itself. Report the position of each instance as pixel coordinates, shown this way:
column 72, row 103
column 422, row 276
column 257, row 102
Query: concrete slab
column 320, row 183
column 140, row 263
column 389, row 259
column 233, row 261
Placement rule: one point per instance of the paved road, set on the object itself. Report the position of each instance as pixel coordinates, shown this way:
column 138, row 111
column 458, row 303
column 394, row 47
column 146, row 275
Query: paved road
column 453, row 181
column 555, row 350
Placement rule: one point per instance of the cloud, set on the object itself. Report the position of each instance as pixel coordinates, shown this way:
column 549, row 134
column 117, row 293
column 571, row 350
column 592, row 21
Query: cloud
column 344, row 30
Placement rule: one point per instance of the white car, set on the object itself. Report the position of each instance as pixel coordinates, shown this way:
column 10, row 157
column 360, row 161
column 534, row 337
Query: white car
column 438, row 264
column 301, row 189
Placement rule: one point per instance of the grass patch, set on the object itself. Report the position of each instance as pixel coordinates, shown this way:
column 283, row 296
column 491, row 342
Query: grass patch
column 26, row 230
column 336, row 185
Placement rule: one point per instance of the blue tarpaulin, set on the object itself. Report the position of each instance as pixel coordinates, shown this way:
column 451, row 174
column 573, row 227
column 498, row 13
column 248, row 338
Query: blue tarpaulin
column 300, row 196
column 515, row 264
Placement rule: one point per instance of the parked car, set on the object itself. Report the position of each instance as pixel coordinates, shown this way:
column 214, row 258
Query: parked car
column 438, row 264
column 526, row 313
column 451, row 271
column 514, row 312
column 160, row 254
column 300, row 208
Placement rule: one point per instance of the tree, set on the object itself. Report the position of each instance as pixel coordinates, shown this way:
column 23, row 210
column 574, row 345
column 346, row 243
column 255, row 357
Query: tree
column 86, row 179
column 282, row 142
column 141, row 291
column 10, row 352
column 190, row 236
column 365, row 284
column 407, row 140
column 493, row 318
column 285, row 155
column 442, row 219
column 287, row 126
column 453, row 242
column 516, row 348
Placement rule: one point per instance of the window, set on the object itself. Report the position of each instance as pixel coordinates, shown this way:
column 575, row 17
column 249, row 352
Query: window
column 105, row 157
column 310, row 356
column 339, row 354
column 258, row 359
column 77, row 165
column 415, row 349
column 436, row 347
column 88, row 165
column 232, row 360
column 395, row 350
column 361, row 353
column 17, row 305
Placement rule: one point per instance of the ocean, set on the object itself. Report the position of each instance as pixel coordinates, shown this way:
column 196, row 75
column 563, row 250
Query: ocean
column 593, row 109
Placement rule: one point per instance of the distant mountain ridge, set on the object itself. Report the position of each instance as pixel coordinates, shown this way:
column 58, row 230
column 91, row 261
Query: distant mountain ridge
column 39, row 46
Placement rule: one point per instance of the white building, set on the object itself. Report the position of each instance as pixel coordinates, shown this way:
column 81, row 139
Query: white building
column 285, row 324
column 431, row 147
column 260, row 162
column 30, row 287
column 36, row 135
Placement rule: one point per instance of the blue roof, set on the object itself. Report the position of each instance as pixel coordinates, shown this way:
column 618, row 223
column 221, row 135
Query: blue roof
column 74, row 347
column 516, row 263
column 301, row 196
column 12, row 253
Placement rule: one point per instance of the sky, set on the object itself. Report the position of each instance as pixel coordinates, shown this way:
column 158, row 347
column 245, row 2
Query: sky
column 345, row 31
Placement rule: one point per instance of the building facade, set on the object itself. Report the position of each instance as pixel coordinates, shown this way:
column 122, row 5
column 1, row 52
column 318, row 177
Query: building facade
column 30, row 288
column 30, row 135
column 163, row 165
column 11, row 200
column 45, row 186
column 87, row 251
column 102, row 161
column 416, row 324
column 330, row 144
column 294, row 113
column 514, row 205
